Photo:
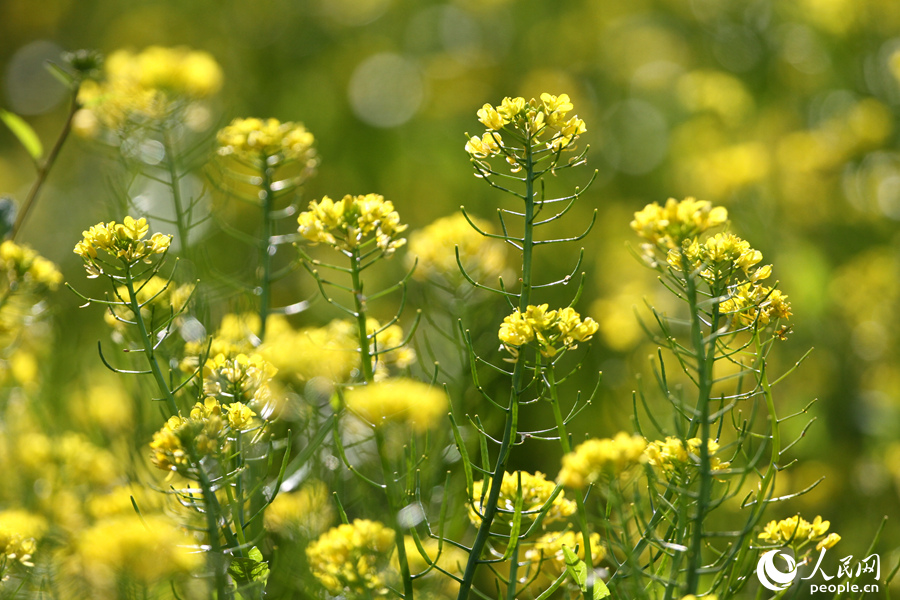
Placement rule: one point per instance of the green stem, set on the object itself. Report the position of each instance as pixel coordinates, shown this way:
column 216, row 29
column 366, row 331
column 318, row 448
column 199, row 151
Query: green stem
column 359, row 301
column 512, row 411
column 44, row 170
column 513, row 570
column 175, row 184
column 579, row 499
column 390, row 486
column 705, row 361
column 213, row 509
column 265, row 257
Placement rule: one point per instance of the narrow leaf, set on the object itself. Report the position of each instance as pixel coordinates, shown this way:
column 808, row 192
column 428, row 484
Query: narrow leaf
column 24, row 133
column 578, row 570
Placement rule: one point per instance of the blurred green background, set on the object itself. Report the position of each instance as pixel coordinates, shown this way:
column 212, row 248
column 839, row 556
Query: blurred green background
column 783, row 111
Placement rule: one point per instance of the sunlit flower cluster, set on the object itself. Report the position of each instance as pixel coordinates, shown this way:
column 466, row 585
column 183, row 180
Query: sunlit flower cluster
column 19, row 532
column 303, row 513
column 25, row 270
column 550, row 330
column 157, row 297
column 124, row 241
column 436, row 245
column 526, row 119
column 147, row 548
column 347, row 223
column 796, row 531
column 148, row 85
column 204, row 430
column 353, row 558
column 398, row 400
column 267, row 142
column 752, row 303
column 595, row 457
column 670, row 225
column 536, row 492
column 547, row 551
column 241, row 378
column 673, row 453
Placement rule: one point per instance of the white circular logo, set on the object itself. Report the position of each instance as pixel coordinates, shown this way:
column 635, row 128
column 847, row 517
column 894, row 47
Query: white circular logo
column 770, row 576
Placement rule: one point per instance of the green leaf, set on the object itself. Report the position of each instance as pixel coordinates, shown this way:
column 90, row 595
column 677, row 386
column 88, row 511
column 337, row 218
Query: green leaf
column 60, row 74
column 578, row 570
column 250, row 568
column 24, row 133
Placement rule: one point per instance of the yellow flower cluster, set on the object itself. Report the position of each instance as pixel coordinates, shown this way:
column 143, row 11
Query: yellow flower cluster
column 157, row 296
column 304, row 513
column 672, row 453
column 353, row 558
column 435, row 247
column 536, row 491
column 398, row 400
column 204, row 430
column 26, row 270
column 797, row 531
column 595, row 457
column 346, row 223
column 19, row 532
column 547, row 551
column 551, row 330
column 719, row 257
column 147, row 548
column 751, row 303
column 146, row 85
column 240, row 378
column 547, row 116
column 124, row 241
column 670, row 225
column 267, row 142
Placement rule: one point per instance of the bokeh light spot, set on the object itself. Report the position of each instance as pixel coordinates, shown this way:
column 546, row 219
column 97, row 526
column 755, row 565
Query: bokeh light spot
column 386, row 90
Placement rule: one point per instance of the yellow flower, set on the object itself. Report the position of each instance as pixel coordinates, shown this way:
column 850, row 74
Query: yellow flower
column 19, row 532
column 240, row 378
column 120, row 547
column 124, row 241
column 262, row 141
column 591, row 459
column 152, row 84
column 671, row 225
column 436, row 245
column 549, row 328
column 204, row 431
column 672, row 453
column 305, row 512
column 544, row 122
column 490, row 118
column 398, row 400
column 25, row 269
column 240, row 417
column 353, row 558
column 347, row 223
column 797, row 531
column 547, row 552
column 536, row 492
column 485, row 146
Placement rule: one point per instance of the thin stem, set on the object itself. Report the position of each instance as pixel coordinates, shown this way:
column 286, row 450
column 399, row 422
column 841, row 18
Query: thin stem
column 44, row 170
column 213, row 510
column 512, row 412
column 359, row 300
column 265, row 257
column 175, row 184
column 705, row 359
column 394, row 507
column 579, row 498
